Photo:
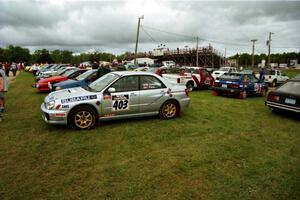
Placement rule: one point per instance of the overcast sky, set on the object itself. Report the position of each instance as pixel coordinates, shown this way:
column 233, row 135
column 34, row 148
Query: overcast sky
column 110, row 26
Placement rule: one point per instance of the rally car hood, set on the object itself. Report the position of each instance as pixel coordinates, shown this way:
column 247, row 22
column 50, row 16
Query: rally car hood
column 70, row 93
column 53, row 79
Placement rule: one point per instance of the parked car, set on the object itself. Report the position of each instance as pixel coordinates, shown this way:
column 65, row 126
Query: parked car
column 191, row 77
column 53, row 70
column 223, row 70
column 46, row 84
column 116, row 95
column 81, row 81
column 286, row 97
column 57, row 73
column 274, row 77
column 242, row 84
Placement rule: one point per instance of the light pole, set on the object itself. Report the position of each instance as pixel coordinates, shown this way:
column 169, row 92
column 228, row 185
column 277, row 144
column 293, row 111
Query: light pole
column 137, row 37
column 253, row 46
column 269, row 49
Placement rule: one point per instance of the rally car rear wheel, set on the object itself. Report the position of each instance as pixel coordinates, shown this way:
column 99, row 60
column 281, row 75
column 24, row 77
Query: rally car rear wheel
column 243, row 95
column 82, row 117
column 169, row 110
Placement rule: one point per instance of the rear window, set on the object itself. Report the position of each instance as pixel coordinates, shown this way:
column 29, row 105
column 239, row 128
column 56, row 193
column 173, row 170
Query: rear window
column 291, row 87
column 270, row 72
column 230, row 77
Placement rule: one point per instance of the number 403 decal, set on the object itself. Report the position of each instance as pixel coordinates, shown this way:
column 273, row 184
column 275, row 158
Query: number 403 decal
column 120, row 102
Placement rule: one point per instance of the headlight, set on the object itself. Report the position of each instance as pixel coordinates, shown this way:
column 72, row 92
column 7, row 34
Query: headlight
column 58, row 88
column 37, row 85
column 50, row 105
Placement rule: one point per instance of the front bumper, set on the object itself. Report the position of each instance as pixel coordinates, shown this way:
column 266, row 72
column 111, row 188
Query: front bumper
column 54, row 116
column 281, row 106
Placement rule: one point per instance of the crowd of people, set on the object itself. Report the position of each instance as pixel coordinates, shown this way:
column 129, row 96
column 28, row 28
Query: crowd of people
column 3, row 86
column 13, row 67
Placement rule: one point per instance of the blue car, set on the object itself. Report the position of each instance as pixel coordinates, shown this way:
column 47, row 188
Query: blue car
column 241, row 84
column 80, row 81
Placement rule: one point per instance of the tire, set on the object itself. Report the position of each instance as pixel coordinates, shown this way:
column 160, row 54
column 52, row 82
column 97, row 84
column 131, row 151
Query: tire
column 243, row 94
column 273, row 84
column 82, row 118
column 215, row 93
column 263, row 92
column 169, row 110
column 190, row 86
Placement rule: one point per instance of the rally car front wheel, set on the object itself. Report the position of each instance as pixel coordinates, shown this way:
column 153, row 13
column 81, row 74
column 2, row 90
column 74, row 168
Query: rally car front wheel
column 169, row 110
column 83, row 117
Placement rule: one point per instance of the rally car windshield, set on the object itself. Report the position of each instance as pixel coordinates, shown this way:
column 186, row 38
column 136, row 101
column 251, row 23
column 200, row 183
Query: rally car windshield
column 230, row 77
column 84, row 75
column 292, row 87
column 69, row 72
column 224, row 69
column 103, row 81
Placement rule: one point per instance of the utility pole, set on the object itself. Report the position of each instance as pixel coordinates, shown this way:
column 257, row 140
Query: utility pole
column 269, row 49
column 253, row 47
column 197, row 55
column 137, row 37
column 225, row 58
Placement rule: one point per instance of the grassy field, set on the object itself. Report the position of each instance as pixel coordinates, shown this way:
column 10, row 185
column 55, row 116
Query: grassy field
column 220, row 148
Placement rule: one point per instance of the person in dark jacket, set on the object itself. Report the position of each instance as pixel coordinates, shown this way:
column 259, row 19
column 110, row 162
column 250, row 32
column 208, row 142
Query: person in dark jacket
column 102, row 70
column 95, row 65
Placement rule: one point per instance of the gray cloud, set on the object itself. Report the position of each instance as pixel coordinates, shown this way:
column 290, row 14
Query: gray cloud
column 111, row 25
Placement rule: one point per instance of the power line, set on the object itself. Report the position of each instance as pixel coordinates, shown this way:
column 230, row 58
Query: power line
column 213, row 41
column 153, row 40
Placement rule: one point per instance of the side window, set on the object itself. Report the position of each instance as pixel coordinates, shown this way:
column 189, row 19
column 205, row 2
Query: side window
column 127, row 83
column 245, row 78
column 150, row 82
column 205, row 73
column 254, row 79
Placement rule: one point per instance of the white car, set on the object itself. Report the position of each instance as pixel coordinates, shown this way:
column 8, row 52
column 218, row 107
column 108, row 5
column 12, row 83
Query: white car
column 116, row 95
column 222, row 71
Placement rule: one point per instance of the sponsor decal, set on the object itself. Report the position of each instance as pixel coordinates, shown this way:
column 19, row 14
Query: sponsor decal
column 65, row 106
column 169, row 92
column 120, row 102
column 81, row 98
column 60, row 115
column 108, row 115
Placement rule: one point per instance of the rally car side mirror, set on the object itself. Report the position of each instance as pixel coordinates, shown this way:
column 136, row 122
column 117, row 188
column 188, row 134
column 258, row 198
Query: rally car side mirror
column 112, row 90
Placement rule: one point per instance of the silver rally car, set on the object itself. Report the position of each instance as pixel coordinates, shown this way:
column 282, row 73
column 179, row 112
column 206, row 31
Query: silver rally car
column 116, row 95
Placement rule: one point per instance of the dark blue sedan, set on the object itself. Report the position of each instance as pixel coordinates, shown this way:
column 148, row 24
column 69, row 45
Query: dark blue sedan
column 80, row 81
column 241, row 84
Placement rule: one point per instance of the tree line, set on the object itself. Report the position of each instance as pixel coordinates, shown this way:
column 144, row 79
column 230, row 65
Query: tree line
column 245, row 59
column 18, row 54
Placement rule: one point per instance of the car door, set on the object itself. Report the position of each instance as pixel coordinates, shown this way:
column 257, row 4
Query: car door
column 152, row 93
column 125, row 100
column 254, row 85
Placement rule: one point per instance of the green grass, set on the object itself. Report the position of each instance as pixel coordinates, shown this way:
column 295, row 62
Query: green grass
column 220, row 148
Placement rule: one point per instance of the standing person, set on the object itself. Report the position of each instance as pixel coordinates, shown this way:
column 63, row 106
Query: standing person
column 95, row 65
column 102, row 70
column 3, row 88
column 262, row 74
column 14, row 68
column 7, row 69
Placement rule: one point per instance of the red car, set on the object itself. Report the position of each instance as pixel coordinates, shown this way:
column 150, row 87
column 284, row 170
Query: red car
column 43, row 84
